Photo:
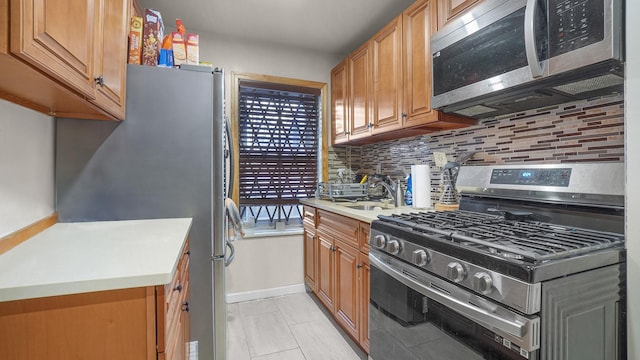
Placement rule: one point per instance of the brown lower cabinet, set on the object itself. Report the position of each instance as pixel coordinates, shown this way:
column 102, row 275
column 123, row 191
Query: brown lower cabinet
column 363, row 296
column 310, row 247
column 341, row 276
column 346, row 300
column 126, row 324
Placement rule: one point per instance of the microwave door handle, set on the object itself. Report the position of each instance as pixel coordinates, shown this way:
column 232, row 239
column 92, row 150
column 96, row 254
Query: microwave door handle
column 530, row 39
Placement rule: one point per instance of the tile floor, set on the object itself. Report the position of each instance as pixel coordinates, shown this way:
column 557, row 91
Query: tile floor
column 292, row 327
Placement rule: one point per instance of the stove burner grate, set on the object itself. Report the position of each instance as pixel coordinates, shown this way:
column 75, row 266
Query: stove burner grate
column 523, row 240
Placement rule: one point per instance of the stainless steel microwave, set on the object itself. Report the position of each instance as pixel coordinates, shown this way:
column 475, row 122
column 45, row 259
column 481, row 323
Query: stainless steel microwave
column 505, row 56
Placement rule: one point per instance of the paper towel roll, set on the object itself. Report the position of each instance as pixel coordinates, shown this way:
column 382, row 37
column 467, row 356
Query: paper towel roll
column 421, row 181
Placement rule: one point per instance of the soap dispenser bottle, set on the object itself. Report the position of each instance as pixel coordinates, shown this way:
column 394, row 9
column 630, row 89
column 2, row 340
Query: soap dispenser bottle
column 408, row 194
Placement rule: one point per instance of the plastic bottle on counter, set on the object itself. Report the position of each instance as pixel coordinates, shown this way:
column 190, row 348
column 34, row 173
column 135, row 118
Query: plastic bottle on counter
column 408, row 194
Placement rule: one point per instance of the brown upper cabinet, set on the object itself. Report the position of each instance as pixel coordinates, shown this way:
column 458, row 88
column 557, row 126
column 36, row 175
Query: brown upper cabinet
column 388, row 92
column 450, row 9
column 339, row 106
column 65, row 58
column 387, row 54
column 359, row 92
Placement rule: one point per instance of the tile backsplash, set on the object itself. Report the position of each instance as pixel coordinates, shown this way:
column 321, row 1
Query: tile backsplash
column 585, row 131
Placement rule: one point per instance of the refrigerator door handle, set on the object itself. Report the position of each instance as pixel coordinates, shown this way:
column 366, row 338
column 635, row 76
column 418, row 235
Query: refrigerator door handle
column 228, row 260
column 229, row 158
column 234, row 216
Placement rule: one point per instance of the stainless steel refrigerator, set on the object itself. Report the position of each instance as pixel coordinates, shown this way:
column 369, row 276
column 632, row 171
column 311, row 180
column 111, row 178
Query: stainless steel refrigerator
column 165, row 160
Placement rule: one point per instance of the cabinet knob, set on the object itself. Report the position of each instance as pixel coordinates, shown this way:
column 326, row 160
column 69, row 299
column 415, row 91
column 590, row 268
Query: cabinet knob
column 185, row 306
column 404, row 115
column 347, row 133
column 178, row 288
column 188, row 252
column 359, row 266
column 99, row 81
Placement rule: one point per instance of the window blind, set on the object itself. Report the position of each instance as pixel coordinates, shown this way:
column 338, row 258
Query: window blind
column 278, row 147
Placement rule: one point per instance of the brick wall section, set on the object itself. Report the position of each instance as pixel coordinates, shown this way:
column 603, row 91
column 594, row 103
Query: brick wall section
column 585, row 131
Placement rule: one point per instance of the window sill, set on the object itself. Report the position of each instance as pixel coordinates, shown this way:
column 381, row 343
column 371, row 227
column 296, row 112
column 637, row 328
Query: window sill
column 262, row 233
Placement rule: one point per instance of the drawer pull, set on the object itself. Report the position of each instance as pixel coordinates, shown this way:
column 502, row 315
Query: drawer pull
column 178, row 288
column 185, row 306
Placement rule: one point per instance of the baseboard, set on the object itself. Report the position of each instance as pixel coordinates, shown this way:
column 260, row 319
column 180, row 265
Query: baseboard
column 265, row 293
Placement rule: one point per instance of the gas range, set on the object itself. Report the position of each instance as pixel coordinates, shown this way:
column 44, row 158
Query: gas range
column 524, row 242
column 503, row 259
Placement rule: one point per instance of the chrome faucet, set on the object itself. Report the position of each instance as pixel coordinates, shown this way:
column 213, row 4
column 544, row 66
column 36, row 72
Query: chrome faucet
column 394, row 189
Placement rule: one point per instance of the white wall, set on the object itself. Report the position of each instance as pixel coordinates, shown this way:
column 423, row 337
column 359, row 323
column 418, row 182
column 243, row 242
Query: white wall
column 632, row 133
column 26, row 167
column 265, row 267
column 235, row 55
column 274, row 265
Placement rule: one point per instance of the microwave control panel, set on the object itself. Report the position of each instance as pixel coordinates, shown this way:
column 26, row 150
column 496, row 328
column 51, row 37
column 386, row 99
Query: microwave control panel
column 574, row 24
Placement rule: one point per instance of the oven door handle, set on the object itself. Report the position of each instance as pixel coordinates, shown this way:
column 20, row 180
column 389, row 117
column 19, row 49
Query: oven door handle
column 479, row 315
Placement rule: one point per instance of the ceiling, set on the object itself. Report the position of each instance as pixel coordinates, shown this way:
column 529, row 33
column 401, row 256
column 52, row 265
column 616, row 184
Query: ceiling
column 325, row 26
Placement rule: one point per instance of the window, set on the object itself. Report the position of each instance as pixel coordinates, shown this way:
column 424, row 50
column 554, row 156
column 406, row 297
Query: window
column 278, row 145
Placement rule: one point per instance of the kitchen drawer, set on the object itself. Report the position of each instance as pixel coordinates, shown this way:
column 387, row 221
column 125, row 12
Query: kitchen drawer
column 363, row 237
column 338, row 226
column 309, row 217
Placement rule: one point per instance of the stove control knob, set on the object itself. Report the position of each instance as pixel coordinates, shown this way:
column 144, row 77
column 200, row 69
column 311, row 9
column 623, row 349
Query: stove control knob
column 420, row 257
column 482, row 283
column 380, row 241
column 456, row 272
column 393, row 246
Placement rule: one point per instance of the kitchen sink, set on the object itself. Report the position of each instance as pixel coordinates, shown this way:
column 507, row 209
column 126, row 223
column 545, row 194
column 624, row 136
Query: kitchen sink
column 368, row 205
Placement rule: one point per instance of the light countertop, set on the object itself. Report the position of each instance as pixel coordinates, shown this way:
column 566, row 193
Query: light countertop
column 71, row 258
column 343, row 208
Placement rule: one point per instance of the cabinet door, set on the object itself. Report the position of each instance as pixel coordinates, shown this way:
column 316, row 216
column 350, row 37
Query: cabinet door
column 185, row 315
column 310, row 247
column 418, row 25
column 339, row 103
column 111, row 54
column 103, row 325
column 363, row 298
column 387, row 77
column 57, row 37
column 325, row 275
column 346, row 300
column 449, row 9
column 360, row 92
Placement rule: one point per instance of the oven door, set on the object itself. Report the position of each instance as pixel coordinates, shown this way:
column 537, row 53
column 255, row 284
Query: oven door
column 416, row 316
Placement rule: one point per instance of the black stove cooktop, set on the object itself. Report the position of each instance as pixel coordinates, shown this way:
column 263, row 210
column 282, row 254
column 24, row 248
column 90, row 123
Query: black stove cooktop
column 529, row 241
column 511, row 247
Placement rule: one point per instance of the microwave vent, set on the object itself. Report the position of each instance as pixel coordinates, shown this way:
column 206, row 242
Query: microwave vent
column 598, row 82
column 474, row 111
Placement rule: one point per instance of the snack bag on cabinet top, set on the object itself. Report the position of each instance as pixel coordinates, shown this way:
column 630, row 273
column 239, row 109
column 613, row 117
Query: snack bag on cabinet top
column 151, row 37
column 135, row 40
column 193, row 56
